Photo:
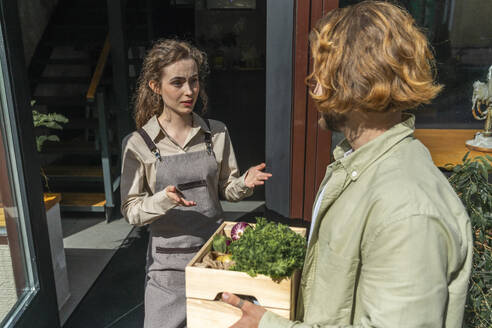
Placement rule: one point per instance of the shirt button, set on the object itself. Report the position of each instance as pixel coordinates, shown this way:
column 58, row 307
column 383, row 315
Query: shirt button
column 354, row 174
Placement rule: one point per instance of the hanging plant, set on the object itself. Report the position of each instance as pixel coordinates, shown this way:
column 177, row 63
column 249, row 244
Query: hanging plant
column 470, row 180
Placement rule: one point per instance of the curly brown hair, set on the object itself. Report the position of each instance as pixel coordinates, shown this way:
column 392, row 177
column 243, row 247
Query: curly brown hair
column 371, row 57
column 163, row 53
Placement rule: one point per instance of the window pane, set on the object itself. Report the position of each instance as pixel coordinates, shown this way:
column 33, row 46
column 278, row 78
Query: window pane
column 461, row 35
column 18, row 279
column 234, row 38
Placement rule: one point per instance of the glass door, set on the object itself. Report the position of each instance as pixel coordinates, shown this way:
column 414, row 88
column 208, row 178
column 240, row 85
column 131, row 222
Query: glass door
column 27, row 293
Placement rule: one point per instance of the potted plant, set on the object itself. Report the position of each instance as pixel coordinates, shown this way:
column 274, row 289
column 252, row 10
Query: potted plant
column 470, row 180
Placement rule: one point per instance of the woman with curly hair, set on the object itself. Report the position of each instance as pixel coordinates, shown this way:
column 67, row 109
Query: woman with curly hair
column 174, row 167
column 390, row 242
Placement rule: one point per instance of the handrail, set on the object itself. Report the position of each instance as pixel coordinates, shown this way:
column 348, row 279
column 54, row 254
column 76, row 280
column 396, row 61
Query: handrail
column 96, row 77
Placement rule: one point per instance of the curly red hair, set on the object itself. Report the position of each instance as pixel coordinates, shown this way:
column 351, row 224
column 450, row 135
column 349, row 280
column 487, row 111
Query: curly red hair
column 371, row 57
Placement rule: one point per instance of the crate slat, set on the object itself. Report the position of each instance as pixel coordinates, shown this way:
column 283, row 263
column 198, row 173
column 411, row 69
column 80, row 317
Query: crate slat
column 217, row 313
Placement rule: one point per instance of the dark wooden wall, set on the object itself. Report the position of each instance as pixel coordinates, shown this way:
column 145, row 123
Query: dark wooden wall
column 311, row 151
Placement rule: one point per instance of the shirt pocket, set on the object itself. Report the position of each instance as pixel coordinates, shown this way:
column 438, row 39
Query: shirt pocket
column 332, row 295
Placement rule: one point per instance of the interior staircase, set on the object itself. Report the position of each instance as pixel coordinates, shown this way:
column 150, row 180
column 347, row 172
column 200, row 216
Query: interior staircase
column 71, row 73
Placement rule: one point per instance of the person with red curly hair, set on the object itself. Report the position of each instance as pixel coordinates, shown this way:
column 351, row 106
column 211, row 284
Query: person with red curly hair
column 390, row 243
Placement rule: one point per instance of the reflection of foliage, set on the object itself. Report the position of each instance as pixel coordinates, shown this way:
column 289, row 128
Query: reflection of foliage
column 51, row 121
column 470, row 181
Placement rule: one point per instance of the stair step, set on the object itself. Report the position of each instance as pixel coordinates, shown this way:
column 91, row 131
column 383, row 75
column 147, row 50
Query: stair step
column 82, row 41
column 78, row 201
column 78, row 28
column 60, row 101
column 79, row 16
column 65, row 61
column 85, row 3
column 81, row 123
column 62, row 80
column 66, row 171
column 83, row 147
column 75, row 148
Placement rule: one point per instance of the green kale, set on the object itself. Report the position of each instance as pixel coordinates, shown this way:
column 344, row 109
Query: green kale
column 270, row 249
column 219, row 243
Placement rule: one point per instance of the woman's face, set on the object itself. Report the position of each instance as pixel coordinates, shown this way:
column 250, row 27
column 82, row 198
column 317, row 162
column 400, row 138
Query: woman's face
column 179, row 86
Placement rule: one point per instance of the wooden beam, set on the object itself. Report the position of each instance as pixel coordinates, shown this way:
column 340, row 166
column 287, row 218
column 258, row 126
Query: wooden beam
column 298, row 139
column 447, row 146
column 50, row 200
column 83, row 199
column 98, row 72
column 311, row 146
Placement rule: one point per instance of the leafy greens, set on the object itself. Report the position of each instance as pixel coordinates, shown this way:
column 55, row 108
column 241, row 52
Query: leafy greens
column 270, row 249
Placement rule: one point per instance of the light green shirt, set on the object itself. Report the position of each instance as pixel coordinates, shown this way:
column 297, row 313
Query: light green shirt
column 391, row 245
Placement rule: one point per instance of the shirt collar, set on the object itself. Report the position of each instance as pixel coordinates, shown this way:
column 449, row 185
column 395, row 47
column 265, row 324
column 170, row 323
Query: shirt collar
column 154, row 130
column 360, row 159
column 199, row 122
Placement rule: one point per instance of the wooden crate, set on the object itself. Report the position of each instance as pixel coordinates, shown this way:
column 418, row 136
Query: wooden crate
column 204, row 286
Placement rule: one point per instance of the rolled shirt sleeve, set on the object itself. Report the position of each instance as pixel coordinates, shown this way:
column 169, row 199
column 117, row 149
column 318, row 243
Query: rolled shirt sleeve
column 403, row 280
column 231, row 185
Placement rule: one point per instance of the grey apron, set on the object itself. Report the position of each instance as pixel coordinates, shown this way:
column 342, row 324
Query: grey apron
column 179, row 234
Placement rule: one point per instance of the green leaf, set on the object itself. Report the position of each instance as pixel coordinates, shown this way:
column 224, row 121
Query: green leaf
column 270, row 249
column 53, row 138
column 470, row 181
column 49, row 120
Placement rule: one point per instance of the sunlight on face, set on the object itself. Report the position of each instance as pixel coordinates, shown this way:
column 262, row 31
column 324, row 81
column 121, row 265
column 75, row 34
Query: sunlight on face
column 179, row 86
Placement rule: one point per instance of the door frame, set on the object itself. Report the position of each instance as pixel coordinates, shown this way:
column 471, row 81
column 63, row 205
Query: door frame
column 41, row 309
column 311, row 145
column 278, row 120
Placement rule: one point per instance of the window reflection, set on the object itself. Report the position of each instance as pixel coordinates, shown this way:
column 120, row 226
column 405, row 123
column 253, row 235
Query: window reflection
column 18, row 277
column 461, row 35
column 12, row 279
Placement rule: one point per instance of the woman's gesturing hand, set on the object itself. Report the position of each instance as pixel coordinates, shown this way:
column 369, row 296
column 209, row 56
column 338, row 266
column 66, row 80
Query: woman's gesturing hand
column 255, row 176
column 174, row 194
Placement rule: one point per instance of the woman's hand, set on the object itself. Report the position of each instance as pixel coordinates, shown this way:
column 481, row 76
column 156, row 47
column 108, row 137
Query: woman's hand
column 175, row 195
column 251, row 313
column 255, row 176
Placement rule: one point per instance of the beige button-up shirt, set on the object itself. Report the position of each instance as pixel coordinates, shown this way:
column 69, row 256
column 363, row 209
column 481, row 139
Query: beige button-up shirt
column 140, row 203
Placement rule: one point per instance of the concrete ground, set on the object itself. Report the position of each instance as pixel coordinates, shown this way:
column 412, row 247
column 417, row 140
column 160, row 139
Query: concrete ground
column 115, row 300
column 106, row 269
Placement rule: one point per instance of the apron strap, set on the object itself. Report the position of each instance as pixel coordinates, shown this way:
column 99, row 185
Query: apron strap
column 208, row 138
column 153, row 148
column 148, row 141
